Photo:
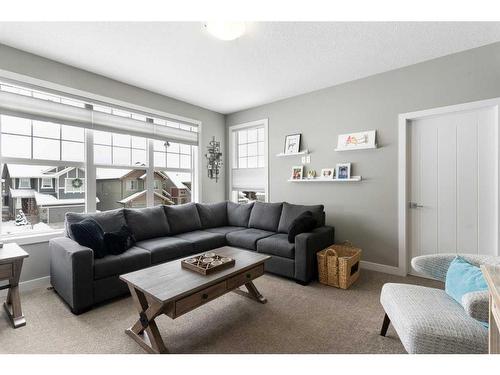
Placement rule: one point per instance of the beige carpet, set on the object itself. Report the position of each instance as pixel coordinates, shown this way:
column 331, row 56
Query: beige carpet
column 296, row 319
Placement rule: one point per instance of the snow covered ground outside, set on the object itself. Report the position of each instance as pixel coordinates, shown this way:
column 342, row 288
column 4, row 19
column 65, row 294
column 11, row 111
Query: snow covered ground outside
column 10, row 227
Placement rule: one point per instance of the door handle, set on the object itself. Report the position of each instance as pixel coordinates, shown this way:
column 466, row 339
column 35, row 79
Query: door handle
column 415, row 205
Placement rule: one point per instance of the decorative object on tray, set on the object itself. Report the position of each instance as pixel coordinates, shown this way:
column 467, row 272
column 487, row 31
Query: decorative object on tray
column 327, row 173
column 297, row 172
column 338, row 265
column 214, row 159
column 292, row 143
column 311, row 173
column 357, row 141
column 343, row 171
column 207, row 263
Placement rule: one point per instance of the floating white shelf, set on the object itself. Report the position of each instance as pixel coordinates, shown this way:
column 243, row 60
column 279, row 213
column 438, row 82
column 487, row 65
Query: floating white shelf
column 356, row 149
column 352, row 179
column 305, row 152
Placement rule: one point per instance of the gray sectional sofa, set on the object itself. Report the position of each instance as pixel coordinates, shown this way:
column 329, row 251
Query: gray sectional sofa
column 165, row 233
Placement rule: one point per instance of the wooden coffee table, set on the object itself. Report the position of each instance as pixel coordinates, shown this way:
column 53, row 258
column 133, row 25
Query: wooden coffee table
column 171, row 290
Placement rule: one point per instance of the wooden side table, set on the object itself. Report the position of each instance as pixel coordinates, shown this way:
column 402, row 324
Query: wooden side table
column 11, row 263
column 492, row 276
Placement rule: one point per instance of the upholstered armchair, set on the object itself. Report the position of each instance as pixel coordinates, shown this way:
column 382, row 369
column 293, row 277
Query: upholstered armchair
column 427, row 320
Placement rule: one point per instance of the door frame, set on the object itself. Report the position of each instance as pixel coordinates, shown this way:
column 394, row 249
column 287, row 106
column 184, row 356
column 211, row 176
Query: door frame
column 230, row 143
column 405, row 120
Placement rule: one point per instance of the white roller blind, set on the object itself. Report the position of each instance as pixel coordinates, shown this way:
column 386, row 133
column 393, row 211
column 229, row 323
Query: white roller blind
column 249, row 179
column 25, row 106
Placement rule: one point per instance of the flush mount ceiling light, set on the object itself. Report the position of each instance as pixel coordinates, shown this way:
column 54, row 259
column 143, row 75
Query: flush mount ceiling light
column 225, row 30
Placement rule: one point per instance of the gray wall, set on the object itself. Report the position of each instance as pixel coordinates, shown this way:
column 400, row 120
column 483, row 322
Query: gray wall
column 366, row 212
column 20, row 62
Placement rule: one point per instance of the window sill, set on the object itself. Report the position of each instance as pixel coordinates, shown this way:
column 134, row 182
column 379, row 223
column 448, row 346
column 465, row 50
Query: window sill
column 28, row 239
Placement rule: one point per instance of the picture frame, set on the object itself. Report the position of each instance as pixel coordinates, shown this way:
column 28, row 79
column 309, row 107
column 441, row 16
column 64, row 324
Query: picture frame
column 357, row 141
column 297, row 172
column 292, row 143
column 343, row 171
column 327, row 173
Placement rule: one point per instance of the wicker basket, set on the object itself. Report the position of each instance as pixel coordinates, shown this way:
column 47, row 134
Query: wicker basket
column 338, row 265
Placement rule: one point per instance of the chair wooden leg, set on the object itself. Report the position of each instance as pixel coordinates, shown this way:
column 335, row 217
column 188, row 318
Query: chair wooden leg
column 385, row 325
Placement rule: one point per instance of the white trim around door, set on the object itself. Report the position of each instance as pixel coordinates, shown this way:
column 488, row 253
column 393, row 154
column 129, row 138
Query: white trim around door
column 230, row 144
column 403, row 160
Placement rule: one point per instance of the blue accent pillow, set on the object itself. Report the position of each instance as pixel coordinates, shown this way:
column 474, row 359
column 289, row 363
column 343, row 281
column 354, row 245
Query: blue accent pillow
column 462, row 278
column 89, row 233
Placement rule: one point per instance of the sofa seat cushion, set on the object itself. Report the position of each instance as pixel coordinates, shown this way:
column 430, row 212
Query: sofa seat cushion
column 146, row 223
column 183, row 218
column 247, row 238
column 224, row 230
column 202, row 240
column 133, row 259
column 265, row 216
column 291, row 211
column 163, row 249
column 212, row 214
column 427, row 320
column 277, row 244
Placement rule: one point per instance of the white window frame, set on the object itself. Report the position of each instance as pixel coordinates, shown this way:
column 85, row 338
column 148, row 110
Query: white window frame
column 44, row 186
column 232, row 153
column 73, row 189
column 24, row 186
column 70, row 94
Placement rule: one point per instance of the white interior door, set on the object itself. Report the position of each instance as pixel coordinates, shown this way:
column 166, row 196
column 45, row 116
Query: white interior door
column 454, row 184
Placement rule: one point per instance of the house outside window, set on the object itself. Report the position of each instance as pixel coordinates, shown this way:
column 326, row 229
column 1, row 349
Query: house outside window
column 47, row 183
column 24, row 183
column 132, row 185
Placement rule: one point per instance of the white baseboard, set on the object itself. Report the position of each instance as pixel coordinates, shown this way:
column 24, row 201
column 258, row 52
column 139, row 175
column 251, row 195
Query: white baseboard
column 381, row 268
column 26, row 286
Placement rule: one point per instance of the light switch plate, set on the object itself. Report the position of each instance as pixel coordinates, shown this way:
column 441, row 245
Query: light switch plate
column 308, row 159
column 303, row 159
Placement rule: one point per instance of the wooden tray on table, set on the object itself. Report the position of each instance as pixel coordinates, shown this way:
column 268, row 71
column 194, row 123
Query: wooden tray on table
column 207, row 263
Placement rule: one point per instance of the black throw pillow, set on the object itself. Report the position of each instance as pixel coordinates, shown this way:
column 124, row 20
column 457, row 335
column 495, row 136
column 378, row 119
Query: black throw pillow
column 305, row 222
column 118, row 242
column 89, row 233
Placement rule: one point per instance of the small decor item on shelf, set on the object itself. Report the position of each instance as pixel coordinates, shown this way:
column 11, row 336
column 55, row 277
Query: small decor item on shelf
column 214, row 159
column 327, row 173
column 297, row 172
column 357, row 141
column 311, row 174
column 292, row 143
column 207, row 263
column 338, row 265
column 343, row 171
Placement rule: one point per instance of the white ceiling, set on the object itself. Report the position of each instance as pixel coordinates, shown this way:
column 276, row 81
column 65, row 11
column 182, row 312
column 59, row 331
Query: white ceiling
column 271, row 61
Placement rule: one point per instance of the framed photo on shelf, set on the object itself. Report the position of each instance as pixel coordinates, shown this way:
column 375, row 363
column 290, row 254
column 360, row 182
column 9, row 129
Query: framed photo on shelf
column 327, row 173
column 292, row 144
column 297, row 172
column 343, row 171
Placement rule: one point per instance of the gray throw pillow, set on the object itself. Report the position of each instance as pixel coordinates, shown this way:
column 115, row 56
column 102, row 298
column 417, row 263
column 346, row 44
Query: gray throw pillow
column 183, row 218
column 265, row 216
column 292, row 211
column 238, row 214
column 110, row 221
column 146, row 223
column 212, row 214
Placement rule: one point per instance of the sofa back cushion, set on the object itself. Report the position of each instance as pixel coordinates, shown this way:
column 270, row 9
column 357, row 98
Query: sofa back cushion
column 183, row 218
column 212, row 214
column 292, row 211
column 265, row 216
column 146, row 223
column 110, row 221
column 238, row 214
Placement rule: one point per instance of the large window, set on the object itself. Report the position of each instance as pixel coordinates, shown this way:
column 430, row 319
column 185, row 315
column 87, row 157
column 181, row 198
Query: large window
column 247, row 145
column 45, row 159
